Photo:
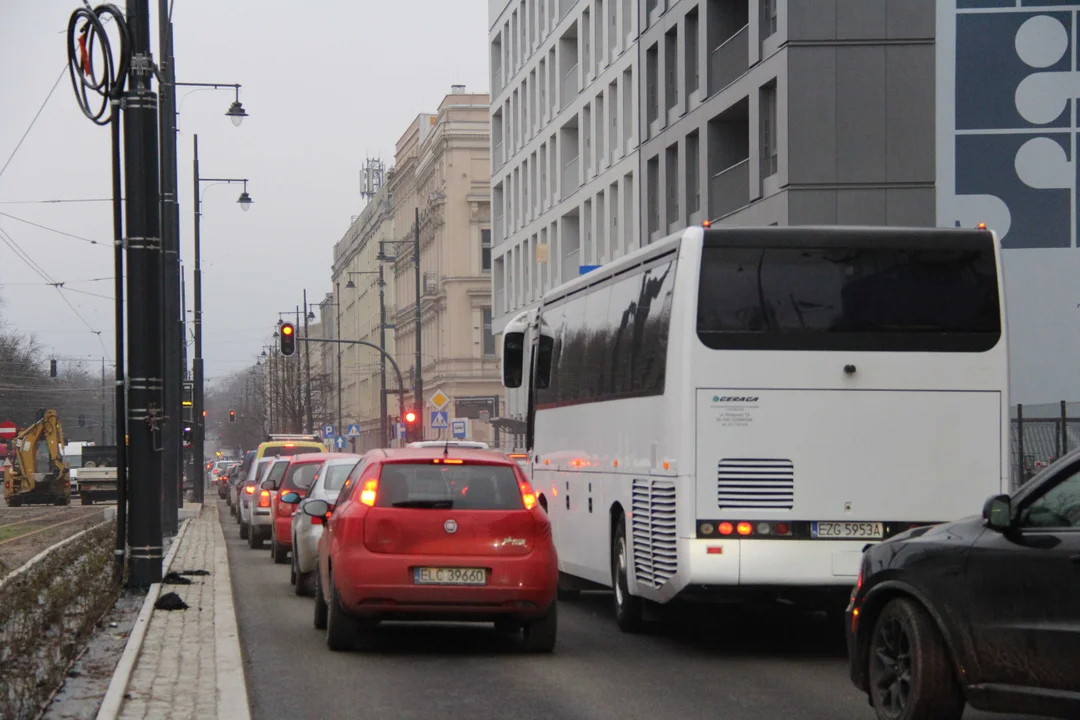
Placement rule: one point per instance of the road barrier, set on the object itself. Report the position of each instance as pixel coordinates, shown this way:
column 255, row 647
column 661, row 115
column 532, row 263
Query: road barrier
column 48, row 610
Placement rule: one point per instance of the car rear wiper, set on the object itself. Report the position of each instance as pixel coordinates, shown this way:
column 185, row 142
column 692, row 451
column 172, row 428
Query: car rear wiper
column 433, row 504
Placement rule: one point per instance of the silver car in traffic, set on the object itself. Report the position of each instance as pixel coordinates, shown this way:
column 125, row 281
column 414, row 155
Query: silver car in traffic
column 307, row 530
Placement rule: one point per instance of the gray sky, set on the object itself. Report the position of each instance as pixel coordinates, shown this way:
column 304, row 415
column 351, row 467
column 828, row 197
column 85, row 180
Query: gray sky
column 324, row 87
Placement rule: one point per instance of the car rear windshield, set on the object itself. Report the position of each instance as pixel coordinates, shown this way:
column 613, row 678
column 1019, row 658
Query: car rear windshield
column 336, row 475
column 461, row 487
column 276, row 471
column 282, row 451
column 301, row 476
column 851, row 297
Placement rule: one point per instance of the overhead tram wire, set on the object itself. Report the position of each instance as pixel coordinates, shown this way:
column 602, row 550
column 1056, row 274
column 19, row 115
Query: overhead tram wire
column 32, row 122
column 53, row 230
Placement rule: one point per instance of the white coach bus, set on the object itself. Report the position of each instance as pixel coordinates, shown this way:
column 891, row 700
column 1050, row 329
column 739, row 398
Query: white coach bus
column 732, row 414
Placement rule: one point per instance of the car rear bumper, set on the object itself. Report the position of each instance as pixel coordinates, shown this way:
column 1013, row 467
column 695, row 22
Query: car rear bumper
column 307, row 547
column 283, row 531
column 381, row 586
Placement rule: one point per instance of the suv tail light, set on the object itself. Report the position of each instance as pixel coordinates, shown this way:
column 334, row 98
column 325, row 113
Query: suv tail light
column 249, row 489
column 264, row 498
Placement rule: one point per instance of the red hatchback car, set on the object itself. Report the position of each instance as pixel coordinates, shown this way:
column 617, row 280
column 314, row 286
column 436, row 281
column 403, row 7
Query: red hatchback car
column 433, row 534
column 298, row 478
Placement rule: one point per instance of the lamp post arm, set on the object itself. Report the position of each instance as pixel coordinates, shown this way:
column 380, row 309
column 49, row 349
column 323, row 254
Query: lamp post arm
column 388, row 356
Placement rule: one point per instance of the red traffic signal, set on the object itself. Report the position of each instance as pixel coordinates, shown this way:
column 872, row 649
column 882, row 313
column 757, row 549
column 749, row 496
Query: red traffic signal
column 410, row 417
column 413, row 428
column 232, row 416
column 287, row 335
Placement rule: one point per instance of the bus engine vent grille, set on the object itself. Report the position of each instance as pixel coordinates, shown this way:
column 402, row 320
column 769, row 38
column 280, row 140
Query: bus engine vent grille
column 755, row 484
column 653, row 529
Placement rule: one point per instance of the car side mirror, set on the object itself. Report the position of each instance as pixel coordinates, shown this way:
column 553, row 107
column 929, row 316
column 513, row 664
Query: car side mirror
column 291, row 498
column 997, row 513
column 316, row 508
column 268, row 485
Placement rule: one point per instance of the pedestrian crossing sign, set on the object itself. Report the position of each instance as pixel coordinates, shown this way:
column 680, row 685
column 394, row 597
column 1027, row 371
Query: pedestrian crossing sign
column 354, row 431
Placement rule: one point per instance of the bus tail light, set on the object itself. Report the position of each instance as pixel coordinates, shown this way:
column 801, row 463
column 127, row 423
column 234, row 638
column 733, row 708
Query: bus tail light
column 726, row 528
column 744, row 528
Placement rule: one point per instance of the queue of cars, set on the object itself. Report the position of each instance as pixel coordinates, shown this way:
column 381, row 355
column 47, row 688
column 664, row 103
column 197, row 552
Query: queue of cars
column 448, row 531
column 982, row 611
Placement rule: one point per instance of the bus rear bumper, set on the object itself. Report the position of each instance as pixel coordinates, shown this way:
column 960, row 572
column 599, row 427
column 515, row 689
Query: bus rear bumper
column 759, row 562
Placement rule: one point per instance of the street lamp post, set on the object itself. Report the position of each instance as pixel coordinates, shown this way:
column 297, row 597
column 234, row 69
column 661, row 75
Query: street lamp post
column 384, row 412
column 307, row 365
column 198, row 476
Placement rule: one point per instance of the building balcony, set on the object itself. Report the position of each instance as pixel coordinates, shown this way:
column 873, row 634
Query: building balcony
column 568, row 87
column 729, row 189
column 729, row 60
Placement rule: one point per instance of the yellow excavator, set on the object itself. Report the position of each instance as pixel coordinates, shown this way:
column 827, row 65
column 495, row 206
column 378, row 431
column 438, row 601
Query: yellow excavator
column 38, row 473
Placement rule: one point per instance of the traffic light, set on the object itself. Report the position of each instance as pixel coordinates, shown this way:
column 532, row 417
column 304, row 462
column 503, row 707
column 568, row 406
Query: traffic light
column 189, row 436
column 287, row 333
column 412, row 426
column 232, row 416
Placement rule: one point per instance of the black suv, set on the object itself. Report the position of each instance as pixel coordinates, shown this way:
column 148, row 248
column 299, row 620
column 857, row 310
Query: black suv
column 984, row 610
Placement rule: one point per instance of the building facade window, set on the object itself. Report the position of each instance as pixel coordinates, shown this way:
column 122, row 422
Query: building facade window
column 769, row 158
column 488, row 343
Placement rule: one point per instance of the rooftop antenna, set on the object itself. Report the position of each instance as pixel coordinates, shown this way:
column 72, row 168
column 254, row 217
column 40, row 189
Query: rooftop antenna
column 446, row 448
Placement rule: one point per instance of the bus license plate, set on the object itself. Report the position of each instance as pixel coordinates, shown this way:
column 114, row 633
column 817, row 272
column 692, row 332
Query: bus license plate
column 846, row 530
column 449, row 576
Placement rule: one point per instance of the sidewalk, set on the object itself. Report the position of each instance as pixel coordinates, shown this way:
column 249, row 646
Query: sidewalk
column 185, row 663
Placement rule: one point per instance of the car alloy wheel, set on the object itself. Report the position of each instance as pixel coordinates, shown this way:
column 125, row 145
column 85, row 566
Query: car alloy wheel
column 910, row 671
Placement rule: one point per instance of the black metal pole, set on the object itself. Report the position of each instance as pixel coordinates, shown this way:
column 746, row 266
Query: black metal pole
column 384, row 413
column 198, row 478
column 172, row 423
column 418, row 401
column 104, row 441
column 307, row 370
column 299, row 384
column 337, row 335
column 145, row 303
column 120, row 390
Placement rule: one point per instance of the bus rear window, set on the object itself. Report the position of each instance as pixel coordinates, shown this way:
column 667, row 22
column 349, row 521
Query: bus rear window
column 919, row 299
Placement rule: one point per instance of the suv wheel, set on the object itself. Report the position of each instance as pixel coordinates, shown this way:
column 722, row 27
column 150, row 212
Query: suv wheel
column 911, row 675
column 243, row 530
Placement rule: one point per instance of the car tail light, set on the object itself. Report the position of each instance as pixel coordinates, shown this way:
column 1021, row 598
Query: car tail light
column 264, row 498
column 249, row 489
column 527, row 495
column 369, row 491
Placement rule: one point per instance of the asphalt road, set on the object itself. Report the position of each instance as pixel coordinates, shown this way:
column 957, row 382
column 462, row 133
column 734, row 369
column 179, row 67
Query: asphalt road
column 746, row 666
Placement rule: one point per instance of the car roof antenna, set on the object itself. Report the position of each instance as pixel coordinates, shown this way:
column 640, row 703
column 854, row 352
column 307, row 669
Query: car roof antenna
column 446, row 449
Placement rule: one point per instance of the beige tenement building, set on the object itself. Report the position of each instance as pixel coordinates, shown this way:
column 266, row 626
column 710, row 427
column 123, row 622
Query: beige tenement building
column 442, row 169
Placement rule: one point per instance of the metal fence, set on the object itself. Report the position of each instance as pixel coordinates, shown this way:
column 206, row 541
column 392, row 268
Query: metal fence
column 1040, row 435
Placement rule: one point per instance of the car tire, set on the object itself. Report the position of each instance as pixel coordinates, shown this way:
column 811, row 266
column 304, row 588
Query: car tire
column 321, row 609
column 540, row 634
column 292, row 571
column 243, row 530
column 281, row 554
column 905, row 641
column 255, row 538
column 342, row 630
column 629, row 609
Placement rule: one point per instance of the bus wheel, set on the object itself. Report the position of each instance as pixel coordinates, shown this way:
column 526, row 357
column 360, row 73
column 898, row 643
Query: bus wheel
column 629, row 615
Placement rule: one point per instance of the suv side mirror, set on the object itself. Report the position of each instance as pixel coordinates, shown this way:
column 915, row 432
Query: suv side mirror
column 291, row 498
column 997, row 513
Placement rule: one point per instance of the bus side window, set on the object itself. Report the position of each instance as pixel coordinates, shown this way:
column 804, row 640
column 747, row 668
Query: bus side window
column 513, row 358
column 544, row 351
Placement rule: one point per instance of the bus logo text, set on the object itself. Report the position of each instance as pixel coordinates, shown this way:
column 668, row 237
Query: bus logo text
column 728, row 399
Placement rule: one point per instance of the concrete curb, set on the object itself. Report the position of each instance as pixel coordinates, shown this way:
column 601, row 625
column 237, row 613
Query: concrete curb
column 114, row 696
column 231, row 690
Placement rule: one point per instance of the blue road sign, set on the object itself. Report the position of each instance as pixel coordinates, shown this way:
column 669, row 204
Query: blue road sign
column 583, row 269
column 440, row 419
column 459, row 429
column 354, row 431
column 339, row 442
column 399, row 431
column 328, row 431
